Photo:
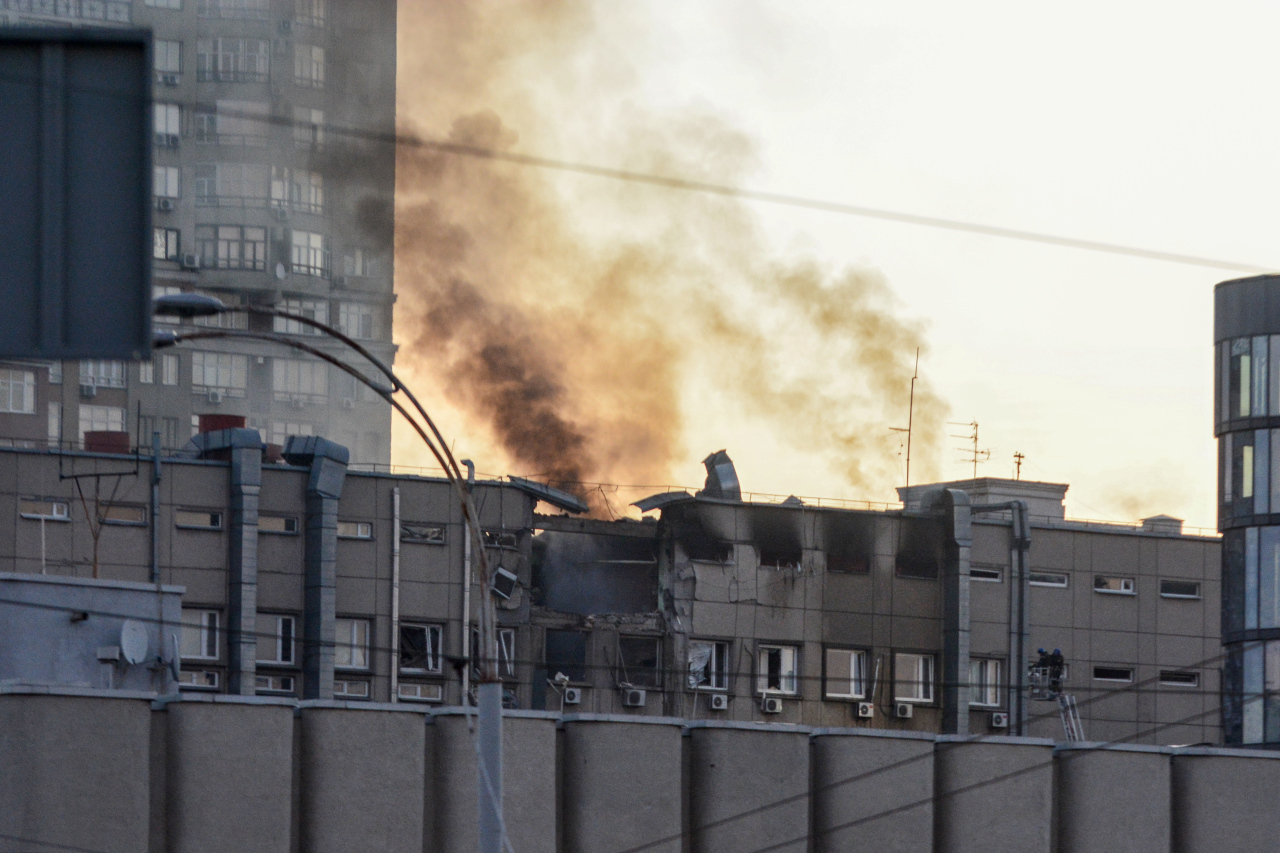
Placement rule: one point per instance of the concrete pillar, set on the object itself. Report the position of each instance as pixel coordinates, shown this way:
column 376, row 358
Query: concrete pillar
column 621, row 784
column 1225, row 799
column 748, row 787
column 872, row 790
column 993, row 794
column 1113, row 799
column 528, row 781
column 954, row 505
column 74, row 770
column 230, row 774
column 363, row 770
column 242, row 548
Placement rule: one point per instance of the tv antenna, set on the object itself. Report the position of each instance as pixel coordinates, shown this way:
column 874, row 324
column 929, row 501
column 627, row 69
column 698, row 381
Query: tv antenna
column 974, row 454
column 911, row 411
column 1018, row 456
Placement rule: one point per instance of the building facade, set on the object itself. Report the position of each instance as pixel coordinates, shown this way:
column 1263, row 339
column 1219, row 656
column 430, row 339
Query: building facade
column 303, row 578
column 274, row 179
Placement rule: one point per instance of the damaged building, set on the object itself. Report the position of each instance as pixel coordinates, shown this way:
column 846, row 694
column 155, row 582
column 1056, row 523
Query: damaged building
column 300, row 577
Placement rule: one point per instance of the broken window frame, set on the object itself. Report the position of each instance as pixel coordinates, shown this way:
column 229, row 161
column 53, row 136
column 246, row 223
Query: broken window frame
column 713, row 674
column 423, row 533
column 778, row 562
column 634, row 674
column 856, row 678
column 506, row 653
column 787, row 676
column 432, row 652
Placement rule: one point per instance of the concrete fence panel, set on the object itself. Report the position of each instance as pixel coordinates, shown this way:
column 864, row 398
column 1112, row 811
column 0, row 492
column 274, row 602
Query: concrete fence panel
column 1113, row 799
column 995, row 793
column 872, row 790
column 621, row 783
column 74, row 771
column 363, row 772
column 1225, row 799
column 229, row 769
column 748, row 787
column 528, row 781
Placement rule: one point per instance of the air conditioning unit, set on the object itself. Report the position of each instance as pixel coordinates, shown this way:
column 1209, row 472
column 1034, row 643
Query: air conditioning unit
column 633, row 698
column 214, row 396
column 573, row 696
column 170, row 79
column 503, row 583
column 999, row 720
column 719, row 702
column 164, row 204
column 903, row 710
column 167, row 140
column 771, row 705
column 88, row 391
column 864, row 710
column 339, row 281
column 280, row 213
column 299, row 403
column 190, row 262
column 286, row 26
column 348, row 403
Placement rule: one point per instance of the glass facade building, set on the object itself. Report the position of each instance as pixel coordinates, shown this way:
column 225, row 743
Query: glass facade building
column 1247, row 425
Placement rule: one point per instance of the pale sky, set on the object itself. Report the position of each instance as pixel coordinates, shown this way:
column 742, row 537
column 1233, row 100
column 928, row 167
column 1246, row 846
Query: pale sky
column 1145, row 124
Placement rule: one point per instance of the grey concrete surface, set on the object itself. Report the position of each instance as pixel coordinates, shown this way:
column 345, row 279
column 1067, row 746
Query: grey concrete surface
column 993, row 794
column 1112, row 799
column 1225, row 800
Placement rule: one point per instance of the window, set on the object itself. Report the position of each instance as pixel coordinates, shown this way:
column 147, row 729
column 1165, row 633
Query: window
column 506, row 653
column 500, row 539
column 984, row 682
column 167, row 427
column 231, row 247
column 355, row 530
column 351, row 643
column 566, row 652
column 347, row 689
column 310, row 254
column 277, row 524
column 165, row 244
column 308, row 128
column 281, row 430
column 275, row 639
column 1179, row 589
column 1176, row 678
column 168, row 367
column 17, row 391
column 146, row 373
column 226, row 319
column 421, row 692
column 100, row 419
column 168, row 56
column 232, row 123
column 846, row 674
column 1112, row 673
column 273, row 683
column 164, row 4
column 230, row 185
column 776, row 670
column 301, row 381
column 199, row 634
column 126, row 515
column 46, row 510
column 231, row 60
column 168, row 124
column 222, row 371
column 709, row 664
column 250, row 9
column 55, row 373
column 197, row 679
column 309, row 12
column 991, row 574
column 308, row 66
column 639, row 661
column 165, row 182
column 1114, row 585
column 306, row 191
column 913, row 677
column 780, row 557
column 312, row 309
column 102, row 373
column 359, row 320
column 360, row 263
column 197, row 519
column 420, row 648
column 1056, row 579
column 424, row 534
column 55, row 424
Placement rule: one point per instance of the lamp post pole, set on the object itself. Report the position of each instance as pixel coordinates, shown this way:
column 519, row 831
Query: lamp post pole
column 489, row 689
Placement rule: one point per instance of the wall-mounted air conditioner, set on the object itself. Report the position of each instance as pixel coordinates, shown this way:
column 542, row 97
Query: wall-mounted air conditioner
column 771, row 705
column 864, row 710
column 286, row 26
column 214, row 396
column 348, row 403
column 88, row 391
column 999, row 720
column 903, row 710
column 633, row 698
column 170, row 79
column 281, row 213
column 164, row 204
column 719, row 702
column 573, row 696
column 503, row 583
column 339, row 281
column 190, row 262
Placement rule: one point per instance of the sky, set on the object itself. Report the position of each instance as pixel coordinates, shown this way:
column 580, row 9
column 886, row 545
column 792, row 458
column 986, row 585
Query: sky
column 1142, row 124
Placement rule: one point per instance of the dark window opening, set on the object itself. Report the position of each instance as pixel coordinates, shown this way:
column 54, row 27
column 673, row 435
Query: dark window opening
column 919, row 552
column 639, row 661
column 780, row 557
column 1112, row 673
column 427, row 534
column 1179, row 589
column 500, row 539
column 709, row 551
column 1174, row 678
column 566, row 652
column 855, row 564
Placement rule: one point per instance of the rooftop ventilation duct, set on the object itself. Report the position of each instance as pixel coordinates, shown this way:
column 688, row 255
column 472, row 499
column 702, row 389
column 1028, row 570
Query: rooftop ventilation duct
column 722, row 478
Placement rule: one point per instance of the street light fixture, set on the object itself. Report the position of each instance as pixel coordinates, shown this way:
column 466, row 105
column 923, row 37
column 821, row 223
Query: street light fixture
column 489, row 689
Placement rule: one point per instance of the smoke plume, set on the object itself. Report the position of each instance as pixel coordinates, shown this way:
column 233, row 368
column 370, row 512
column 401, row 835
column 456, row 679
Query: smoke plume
column 574, row 328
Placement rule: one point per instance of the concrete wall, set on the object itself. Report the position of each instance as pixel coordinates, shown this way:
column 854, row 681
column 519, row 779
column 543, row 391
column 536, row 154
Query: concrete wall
column 82, row 769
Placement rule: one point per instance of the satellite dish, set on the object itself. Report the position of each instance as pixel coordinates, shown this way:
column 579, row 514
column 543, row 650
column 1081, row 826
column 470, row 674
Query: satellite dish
column 133, row 641
column 280, row 272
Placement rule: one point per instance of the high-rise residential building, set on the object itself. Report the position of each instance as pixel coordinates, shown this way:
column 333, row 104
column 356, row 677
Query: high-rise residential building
column 274, row 178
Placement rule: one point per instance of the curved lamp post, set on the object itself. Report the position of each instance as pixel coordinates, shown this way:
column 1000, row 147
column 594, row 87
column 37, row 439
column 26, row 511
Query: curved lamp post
column 489, row 688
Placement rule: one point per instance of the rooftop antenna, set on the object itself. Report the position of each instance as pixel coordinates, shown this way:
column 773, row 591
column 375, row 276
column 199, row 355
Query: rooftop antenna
column 1017, row 464
column 911, row 411
column 975, row 455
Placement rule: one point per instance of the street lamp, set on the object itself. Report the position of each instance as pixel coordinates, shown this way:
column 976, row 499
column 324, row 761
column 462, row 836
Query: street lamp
column 489, row 689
